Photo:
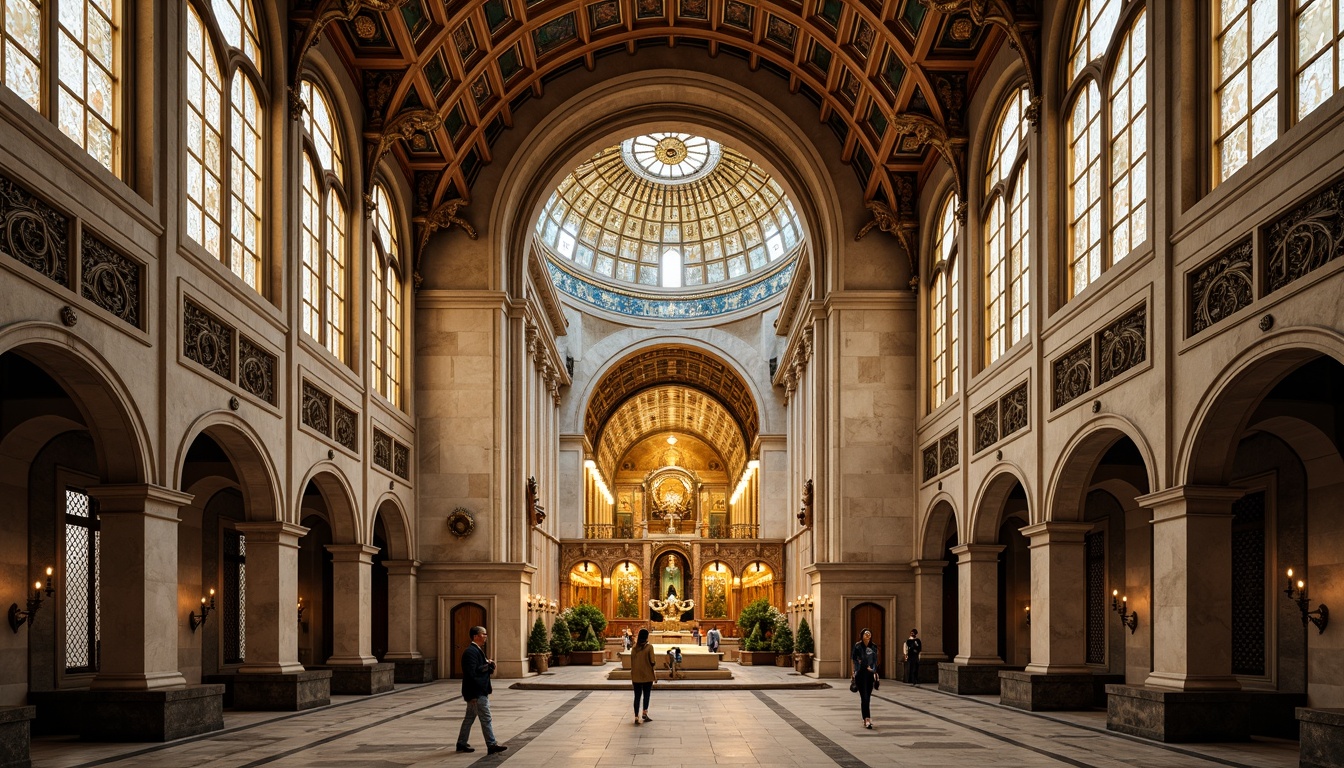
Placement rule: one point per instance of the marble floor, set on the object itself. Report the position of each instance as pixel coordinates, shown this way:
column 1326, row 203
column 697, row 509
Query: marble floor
column 705, row 726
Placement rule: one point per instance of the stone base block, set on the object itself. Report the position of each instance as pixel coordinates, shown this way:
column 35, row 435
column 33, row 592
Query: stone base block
column 1322, row 738
column 158, row 715
column 282, row 692
column 1178, row 716
column 970, row 679
column 928, row 672
column 1043, row 692
column 360, row 680
column 414, row 671
column 16, row 736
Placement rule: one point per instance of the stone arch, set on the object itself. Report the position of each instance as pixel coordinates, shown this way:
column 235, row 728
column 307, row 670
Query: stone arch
column 342, row 512
column 987, row 513
column 104, row 402
column 246, row 452
column 1321, row 459
column 1074, row 474
column 932, row 542
column 397, row 526
column 1209, row 444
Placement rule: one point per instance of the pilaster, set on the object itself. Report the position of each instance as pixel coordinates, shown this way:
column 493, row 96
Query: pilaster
column 272, row 600
column 978, row 593
column 352, row 595
column 1058, row 604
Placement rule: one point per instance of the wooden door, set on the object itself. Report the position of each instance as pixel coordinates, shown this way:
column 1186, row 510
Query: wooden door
column 460, row 622
column 872, row 617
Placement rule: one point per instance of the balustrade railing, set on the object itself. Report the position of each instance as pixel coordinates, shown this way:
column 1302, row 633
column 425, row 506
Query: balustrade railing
column 679, row 527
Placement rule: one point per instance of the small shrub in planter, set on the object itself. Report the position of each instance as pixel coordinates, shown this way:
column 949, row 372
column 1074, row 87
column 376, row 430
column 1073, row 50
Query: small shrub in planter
column 561, row 642
column 582, row 616
column 753, row 642
column 588, row 650
column 782, row 645
column 538, row 646
column 803, row 648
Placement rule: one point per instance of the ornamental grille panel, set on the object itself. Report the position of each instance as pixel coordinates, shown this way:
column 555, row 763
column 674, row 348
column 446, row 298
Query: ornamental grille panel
column 235, row 596
column 401, row 462
column 1013, row 410
column 1122, row 344
column 256, row 370
column 1221, row 286
column 948, row 451
column 316, row 409
column 931, row 462
column 1248, row 585
column 1306, row 238
column 382, row 449
column 1073, row 374
column 1095, row 546
column 110, row 280
column 207, row 341
column 345, row 426
column 987, row 427
column 82, row 629
column 34, row 233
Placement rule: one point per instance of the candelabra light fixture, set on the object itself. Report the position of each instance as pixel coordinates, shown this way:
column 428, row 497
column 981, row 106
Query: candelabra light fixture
column 301, row 607
column 19, row 617
column 1120, row 604
column 1028, row 612
column 1297, row 592
column 207, row 605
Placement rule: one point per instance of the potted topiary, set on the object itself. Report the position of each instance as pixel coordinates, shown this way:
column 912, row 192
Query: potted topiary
column 803, row 648
column 757, row 651
column 782, row 645
column 561, row 642
column 538, row 647
column 588, row 650
column 582, row 616
column 755, row 620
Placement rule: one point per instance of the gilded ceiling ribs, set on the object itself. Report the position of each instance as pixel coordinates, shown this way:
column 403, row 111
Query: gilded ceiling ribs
column 442, row 217
column 1023, row 37
column 327, row 12
column 403, row 126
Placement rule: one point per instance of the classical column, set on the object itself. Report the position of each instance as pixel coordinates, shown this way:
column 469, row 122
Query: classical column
column 1058, row 598
column 352, row 595
column 401, row 613
column 928, row 609
column 978, row 588
column 272, row 597
column 1192, row 587
column 138, row 610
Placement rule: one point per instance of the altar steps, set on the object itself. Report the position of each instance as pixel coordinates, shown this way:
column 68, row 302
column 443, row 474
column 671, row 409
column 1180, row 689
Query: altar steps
column 687, row 674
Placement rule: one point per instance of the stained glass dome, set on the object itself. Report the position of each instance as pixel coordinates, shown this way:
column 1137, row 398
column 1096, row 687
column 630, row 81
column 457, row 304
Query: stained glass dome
column 668, row 215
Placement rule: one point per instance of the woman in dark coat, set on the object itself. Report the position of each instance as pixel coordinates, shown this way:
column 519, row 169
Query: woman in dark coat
column 642, row 675
column 866, row 663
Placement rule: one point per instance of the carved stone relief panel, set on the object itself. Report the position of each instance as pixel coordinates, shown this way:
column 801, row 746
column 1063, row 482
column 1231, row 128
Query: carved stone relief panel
column 1013, row 410
column 1221, row 286
column 256, row 370
column 401, row 461
column 207, row 341
column 948, row 451
column 987, row 427
column 1305, row 238
column 110, row 280
column 1122, row 344
column 33, row 232
column 382, row 449
column 931, row 462
column 1073, row 374
column 316, row 409
column 345, row 426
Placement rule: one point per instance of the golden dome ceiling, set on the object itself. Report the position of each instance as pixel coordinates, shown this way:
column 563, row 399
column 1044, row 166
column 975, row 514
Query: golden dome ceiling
column 669, row 212
column 677, row 409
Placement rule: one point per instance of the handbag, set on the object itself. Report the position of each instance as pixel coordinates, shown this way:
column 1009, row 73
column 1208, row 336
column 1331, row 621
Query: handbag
column 854, row 684
column 876, row 682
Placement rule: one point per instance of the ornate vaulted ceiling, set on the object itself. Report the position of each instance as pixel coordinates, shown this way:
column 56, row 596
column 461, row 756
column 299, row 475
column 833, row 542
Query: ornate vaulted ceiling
column 443, row 80
column 671, row 408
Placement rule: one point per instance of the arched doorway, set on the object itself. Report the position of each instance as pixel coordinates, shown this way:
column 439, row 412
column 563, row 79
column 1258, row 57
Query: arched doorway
column 316, row 621
column 461, row 619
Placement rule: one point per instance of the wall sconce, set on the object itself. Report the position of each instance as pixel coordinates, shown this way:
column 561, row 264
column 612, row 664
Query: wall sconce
column 17, row 618
column 301, row 606
column 198, row 619
column 788, row 606
column 1028, row 612
column 555, row 606
column 1119, row 605
column 1295, row 592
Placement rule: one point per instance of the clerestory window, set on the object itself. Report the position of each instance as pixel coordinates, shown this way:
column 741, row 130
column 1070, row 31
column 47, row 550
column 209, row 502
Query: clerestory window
column 944, row 307
column 385, row 294
column 1007, row 222
column 322, row 224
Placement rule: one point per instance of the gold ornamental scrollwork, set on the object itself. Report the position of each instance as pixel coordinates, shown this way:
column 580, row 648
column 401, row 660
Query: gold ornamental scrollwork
column 403, row 126
column 444, row 216
column 327, row 12
column 1023, row 37
column 926, row 130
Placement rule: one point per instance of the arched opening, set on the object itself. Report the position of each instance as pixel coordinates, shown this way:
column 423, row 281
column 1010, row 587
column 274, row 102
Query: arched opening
column 317, row 619
column 671, row 577
column 378, row 597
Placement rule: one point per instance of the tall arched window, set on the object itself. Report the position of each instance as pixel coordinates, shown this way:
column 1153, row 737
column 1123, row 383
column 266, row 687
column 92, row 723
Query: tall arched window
column 1007, row 230
column 1247, row 74
column 385, row 294
column 1107, row 135
column 224, row 143
column 322, row 224
column 74, row 82
column 944, row 307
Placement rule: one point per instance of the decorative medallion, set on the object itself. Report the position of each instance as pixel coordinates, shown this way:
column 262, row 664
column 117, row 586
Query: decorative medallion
column 207, row 341
column 670, row 158
column 1122, row 344
column 1221, row 286
column 110, row 280
column 256, row 370
column 737, row 14
column 33, row 232
column 461, row 523
column 1073, row 374
column 604, row 14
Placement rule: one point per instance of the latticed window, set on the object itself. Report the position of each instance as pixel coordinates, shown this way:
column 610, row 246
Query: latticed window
column 322, row 224
column 944, row 307
column 1094, row 547
column 234, row 619
column 1107, row 137
column 225, row 142
column 386, row 297
column 1007, row 230
column 81, row 572
column 1248, row 76
column 73, row 82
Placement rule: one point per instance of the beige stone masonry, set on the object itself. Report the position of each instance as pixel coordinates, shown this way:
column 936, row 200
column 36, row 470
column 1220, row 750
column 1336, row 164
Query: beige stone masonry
column 978, row 587
column 272, row 603
column 1059, row 629
column 401, row 609
column 352, row 595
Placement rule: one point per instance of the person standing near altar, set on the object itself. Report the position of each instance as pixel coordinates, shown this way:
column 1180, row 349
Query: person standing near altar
column 642, row 675
column 695, row 634
column 713, row 638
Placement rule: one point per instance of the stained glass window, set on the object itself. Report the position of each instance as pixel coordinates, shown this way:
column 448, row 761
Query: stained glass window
column 1007, row 230
column 386, row 297
column 1129, row 142
column 944, row 307
column 322, row 227
column 81, row 576
column 1246, row 81
column 1319, row 58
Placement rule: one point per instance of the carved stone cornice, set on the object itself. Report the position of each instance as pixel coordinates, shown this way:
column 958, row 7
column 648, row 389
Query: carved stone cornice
column 1023, row 37
column 443, row 217
column 403, row 126
column 926, row 130
column 327, row 12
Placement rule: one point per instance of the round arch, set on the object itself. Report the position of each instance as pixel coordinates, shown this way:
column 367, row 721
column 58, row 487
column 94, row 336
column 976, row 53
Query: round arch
column 987, row 514
column 932, row 543
column 1072, row 476
column 397, row 526
column 342, row 514
column 250, row 460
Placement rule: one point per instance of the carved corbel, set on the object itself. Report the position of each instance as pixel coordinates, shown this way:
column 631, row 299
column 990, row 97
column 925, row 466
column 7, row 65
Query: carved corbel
column 1023, row 37
column 327, row 12
column 536, row 514
column 805, row 512
column 905, row 230
column 444, row 216
column 403, row 126
column 952, row 149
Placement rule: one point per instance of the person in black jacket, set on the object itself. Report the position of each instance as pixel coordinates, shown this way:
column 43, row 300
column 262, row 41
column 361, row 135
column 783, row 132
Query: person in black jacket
column 866, row 661
column 913, row 647
column 476, row 671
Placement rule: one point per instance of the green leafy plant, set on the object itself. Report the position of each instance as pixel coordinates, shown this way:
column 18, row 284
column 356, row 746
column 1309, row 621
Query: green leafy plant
column 591, row 642
column 756, row 614
column 783, row 640
column 561, row 642
column 537, row 641
column 582, row 616
column 754, row 640
column 803, row 643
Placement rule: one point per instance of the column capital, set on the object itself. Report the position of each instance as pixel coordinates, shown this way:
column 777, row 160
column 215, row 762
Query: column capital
column 273, row 531
column 402, row 567
column 971, row 553
column 135, row 497
column 352, row 552
column 1188, row 500
column 926, row 567
column 1042, row 534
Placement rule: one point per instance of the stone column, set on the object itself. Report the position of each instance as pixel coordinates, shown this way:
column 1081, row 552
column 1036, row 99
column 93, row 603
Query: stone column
column 1192, row 587
column 139, row 613
column 352, row 595
column 1058, row 598
column 272, row 597
column 978, row 587
column 928, row 609
column 401, row 613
